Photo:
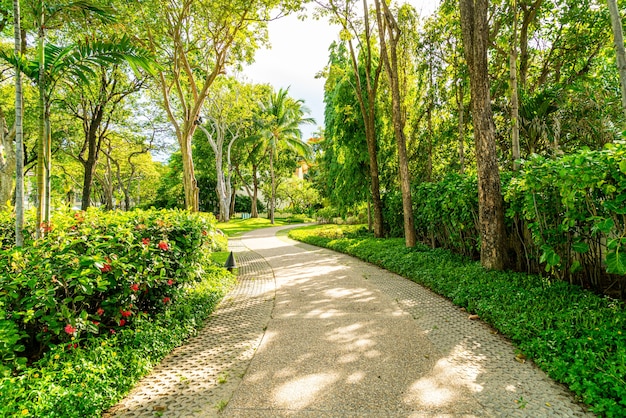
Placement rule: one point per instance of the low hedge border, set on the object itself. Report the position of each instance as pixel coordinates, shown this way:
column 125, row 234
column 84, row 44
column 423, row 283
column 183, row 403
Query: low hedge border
column 576, row 336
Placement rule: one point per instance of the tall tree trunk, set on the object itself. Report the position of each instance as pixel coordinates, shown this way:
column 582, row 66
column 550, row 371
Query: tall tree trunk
column 190, row 184
column 8, row 160
column 273, row 196
column 19, row 137
column 93, row 148
column 429, row 144
column 254, row 212
column 387, row 24
column 461, row 112
column 41, row 145
column 618, row 42
column 475, row 30
column 516, row 154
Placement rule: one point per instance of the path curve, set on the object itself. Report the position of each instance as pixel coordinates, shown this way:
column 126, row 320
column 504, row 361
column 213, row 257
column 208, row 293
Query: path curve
column 309, row 332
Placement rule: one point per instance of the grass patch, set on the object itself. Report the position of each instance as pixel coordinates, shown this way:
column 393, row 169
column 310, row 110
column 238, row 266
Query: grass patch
column 577, row 337
column 219, row 258
column 237, row 227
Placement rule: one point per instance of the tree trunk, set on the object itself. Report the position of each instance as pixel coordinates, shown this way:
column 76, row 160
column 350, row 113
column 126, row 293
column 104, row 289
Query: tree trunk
column 19, row 137
column 516, row 154
column 190, row 184
column 41, row 145
column 618, row 42
column 475, row 30
column 93, row 149
column 273, row 196
column 461, row 112
column 254, row 213
column 8, row 161
column 390, row 59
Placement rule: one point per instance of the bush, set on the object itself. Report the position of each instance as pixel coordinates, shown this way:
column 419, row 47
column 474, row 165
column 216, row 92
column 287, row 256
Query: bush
column 576, row 336
column 89, row 379
column 97, row 273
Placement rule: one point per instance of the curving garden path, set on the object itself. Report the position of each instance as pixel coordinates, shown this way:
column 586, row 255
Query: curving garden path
column 309, row 332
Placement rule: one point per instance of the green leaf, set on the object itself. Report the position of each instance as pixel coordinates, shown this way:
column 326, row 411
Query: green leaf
column 606, row 225
column 622, row 166
column 616, row 262
column 580, row 247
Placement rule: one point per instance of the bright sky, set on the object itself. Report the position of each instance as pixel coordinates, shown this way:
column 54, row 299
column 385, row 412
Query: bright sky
column 299, row 51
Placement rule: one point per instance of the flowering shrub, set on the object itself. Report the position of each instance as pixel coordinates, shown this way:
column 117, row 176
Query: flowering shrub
column 84, row 379
column 96, row 272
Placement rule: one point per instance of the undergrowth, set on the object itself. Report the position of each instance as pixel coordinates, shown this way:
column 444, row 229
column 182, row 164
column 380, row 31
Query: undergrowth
column 576, row 336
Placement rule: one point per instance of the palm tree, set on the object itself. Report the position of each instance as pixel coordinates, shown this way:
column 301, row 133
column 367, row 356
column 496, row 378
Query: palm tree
column 74, row 63
column 280, row 126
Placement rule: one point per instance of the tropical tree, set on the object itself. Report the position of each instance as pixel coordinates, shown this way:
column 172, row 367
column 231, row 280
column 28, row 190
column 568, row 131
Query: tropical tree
column 281, row 117
column 196, row 42
column 475, row 28
column 389, row 36
column 357, row 33
column 229, row 114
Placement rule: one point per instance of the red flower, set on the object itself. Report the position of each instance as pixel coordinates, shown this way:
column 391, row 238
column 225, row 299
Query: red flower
column 126, row 314
column 166, row 299
column 145, row 241
column 134, row 287
column 70, row 346
column 170, row 282
column 122, row 322
column 100, row 311
column 96, row 323
column 205, row 233
column 70, row 329
column 106, row 268
column 164, row 246
column 112, row 331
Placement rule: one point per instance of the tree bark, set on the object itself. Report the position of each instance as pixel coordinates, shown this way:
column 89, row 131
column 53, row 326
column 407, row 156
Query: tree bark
column 19, row 137
column 515, row 146
column 8, row 159
column 618, row 42
column 387, row 26
column 273, row 196
column 461, row 127
column 475, row 30
column 93, row 149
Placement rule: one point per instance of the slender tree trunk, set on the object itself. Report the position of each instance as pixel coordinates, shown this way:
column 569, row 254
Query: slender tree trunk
column 190, row 184
column 254, row 212
column 429, row 149
column 475, row 30
column 390, row 59
column 618, row 42
column 41, row 145
column 93, row 152
column 516, row 154
column 461, row 112
column 19, row 136
column 273, row 196
column 8, row 160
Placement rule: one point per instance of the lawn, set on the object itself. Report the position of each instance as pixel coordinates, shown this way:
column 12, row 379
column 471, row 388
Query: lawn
column 237, row 227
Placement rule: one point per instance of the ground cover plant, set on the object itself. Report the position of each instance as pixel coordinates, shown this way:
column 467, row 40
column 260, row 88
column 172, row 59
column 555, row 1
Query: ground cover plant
column 89, row 309
column 576, row 336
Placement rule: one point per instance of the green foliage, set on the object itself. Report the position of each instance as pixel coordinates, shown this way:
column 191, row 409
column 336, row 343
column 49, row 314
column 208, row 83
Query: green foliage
column 243, row 203
column 85, row 381
column 573, row 334
column 100, row 272
column 575, row 209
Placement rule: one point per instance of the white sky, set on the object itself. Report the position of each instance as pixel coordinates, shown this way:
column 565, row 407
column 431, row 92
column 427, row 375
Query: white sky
column 299, row 51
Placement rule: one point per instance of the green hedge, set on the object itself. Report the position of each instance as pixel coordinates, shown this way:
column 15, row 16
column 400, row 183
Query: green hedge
column 577, row 337
column 96, row 272
column 565, row 216
column 90, row 308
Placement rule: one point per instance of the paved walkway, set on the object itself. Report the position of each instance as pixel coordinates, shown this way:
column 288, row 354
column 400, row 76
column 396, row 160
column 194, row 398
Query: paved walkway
column 309, row 332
